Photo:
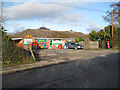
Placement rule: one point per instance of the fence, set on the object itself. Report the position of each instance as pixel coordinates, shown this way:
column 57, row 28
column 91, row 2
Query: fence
column 90, row 44
column 103, row 44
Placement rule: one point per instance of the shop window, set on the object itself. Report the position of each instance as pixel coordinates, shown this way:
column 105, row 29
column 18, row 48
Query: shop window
column 57, row 39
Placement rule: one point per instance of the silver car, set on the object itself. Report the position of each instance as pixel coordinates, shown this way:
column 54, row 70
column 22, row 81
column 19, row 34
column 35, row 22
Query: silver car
column 72, row 45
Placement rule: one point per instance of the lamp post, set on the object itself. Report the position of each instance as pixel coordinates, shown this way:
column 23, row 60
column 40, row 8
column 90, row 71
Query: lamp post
column 99, row 42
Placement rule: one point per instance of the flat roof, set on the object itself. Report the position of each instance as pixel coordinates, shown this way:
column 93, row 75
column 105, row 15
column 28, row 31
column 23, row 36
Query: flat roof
column 16, row 38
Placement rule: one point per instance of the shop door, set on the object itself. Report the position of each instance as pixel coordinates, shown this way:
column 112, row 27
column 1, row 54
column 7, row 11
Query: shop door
column 50, row 43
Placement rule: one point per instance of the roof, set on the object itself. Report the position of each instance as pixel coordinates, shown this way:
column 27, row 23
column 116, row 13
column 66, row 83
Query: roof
column 16, row 38
column 39, row 33
column 45, row 38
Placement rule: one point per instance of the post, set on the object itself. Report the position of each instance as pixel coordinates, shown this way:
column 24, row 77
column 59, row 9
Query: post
column 32, row 52
column 112, row 28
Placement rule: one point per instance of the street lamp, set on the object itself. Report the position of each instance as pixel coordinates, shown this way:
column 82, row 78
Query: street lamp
column 99, row 42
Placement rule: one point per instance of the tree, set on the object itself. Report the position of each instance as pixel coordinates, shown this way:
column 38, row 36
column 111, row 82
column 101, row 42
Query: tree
column 93, row 35
column 117, row 32
column 4, row 31
column 2, row 21
column 102, row 34
column 3, row 16
column 108, row 32
column 116, row 13
column 105, row 35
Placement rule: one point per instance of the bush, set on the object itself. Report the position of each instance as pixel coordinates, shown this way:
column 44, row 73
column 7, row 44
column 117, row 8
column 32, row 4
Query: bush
column 79, row 39
column 12, row 53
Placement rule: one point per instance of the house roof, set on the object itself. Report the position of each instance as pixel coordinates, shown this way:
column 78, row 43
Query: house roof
column 39, row 33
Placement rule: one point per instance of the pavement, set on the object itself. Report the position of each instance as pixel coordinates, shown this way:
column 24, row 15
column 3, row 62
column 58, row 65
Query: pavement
column 7, row 70
column 51, row 57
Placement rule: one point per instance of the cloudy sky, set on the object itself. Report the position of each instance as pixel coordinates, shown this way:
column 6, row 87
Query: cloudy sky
column 56, row 15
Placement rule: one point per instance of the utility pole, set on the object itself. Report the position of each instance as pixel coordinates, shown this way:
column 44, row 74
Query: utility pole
column 112, row 28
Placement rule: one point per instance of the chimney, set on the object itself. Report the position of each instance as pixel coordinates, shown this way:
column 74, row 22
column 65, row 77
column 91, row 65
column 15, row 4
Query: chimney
column 71, row 31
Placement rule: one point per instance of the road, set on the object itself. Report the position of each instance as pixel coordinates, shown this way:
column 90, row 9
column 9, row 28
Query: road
column 97, row 72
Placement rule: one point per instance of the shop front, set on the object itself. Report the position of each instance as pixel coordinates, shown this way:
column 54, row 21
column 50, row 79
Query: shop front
column 41, row 42
column 56, row 42
column 27, row 40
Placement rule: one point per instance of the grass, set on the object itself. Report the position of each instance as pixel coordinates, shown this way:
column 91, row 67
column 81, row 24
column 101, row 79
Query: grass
column 17, row 63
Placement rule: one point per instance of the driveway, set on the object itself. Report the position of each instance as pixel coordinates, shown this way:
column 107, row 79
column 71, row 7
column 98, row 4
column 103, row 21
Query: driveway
column 71, row 54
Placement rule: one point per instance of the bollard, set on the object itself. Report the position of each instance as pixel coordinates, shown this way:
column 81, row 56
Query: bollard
column 59, row 47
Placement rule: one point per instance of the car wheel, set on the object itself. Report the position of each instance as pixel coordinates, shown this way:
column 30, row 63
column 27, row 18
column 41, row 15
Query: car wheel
column 76, row 48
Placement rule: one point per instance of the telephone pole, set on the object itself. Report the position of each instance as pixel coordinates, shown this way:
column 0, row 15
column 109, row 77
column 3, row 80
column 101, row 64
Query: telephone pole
column 112, row 28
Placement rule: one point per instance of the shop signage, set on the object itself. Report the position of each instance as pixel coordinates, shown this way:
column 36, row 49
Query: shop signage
column 28, row 41
column 41, row 40
column 57, row 43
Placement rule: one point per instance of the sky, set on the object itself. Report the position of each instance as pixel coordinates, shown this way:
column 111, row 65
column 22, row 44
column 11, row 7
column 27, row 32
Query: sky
column 56, row 15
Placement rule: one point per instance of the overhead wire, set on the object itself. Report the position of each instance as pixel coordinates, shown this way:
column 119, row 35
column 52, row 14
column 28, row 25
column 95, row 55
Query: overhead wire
column 95, row 10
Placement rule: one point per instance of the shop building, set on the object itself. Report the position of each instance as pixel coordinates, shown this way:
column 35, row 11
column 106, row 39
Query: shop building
column 47, row 42
column 45, row 37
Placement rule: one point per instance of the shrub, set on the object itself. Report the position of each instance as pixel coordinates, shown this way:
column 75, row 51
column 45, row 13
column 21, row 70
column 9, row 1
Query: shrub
column 79, row 39
column 12, row 53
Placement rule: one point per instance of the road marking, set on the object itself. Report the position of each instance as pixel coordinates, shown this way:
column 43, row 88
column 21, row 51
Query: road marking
column 103, row 55
column 51, row 54
column 75, row 58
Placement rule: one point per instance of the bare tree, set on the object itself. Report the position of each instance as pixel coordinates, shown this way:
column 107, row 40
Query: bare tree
column 3, row 18
column 116, row 14
column 1, row 12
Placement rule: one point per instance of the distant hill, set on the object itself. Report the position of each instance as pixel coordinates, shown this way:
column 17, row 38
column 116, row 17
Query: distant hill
column 40, row 33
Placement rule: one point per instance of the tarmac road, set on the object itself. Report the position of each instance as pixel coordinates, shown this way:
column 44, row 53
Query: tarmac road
column 97, row 72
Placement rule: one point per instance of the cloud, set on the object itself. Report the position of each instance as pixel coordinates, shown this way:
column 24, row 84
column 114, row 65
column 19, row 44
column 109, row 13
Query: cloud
column 10, row 24
column 61, row 0
column 93, row 26
column 50, row 12
column 32, row 10
column 76, row 24
column 16, row 27
column 65, row 18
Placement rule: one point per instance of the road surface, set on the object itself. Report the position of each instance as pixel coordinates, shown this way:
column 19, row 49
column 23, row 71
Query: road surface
column 97, row 72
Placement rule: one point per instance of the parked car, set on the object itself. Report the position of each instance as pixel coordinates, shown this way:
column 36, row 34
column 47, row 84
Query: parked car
column 72, row 45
